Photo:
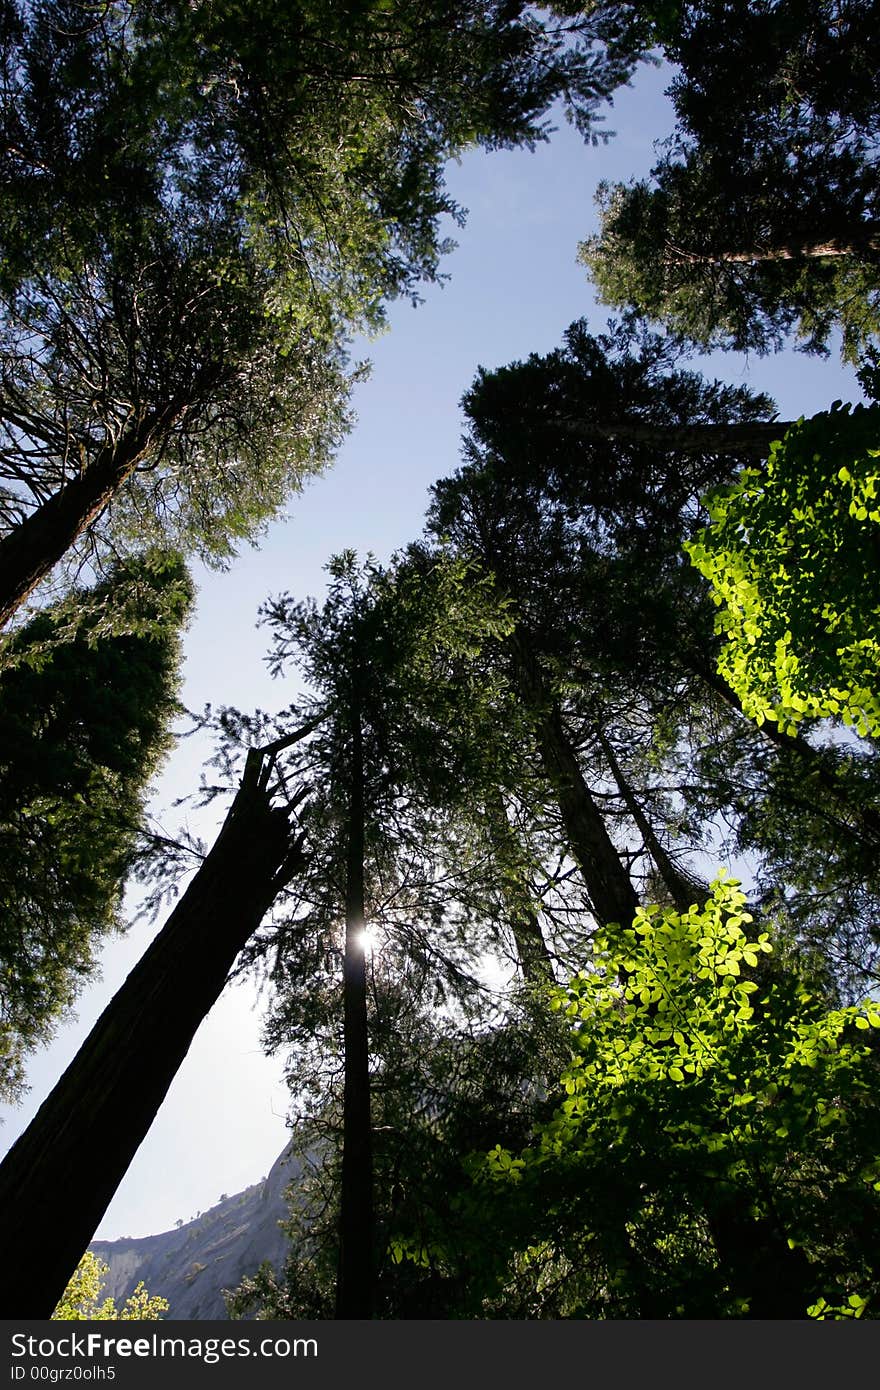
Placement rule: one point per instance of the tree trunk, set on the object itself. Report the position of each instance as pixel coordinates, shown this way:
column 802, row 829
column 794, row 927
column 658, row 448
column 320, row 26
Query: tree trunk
column 532, row 955
column 354, row 1288
column 831, row 249
column 609, row 888
column 682, row 890
column 59, row 1177
column 28, row 553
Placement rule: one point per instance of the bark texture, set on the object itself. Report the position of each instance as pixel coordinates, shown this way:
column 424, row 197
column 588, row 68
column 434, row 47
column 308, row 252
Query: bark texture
column 59, row 1177
column 608, row 884
column 29, row 553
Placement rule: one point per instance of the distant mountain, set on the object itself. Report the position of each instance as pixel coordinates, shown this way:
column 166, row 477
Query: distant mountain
column 191, row 1265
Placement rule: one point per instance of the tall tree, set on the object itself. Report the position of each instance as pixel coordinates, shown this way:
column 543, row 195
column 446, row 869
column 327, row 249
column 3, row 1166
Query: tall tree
column 761, row 217
column 585, row 536
column 84, row 724
column 364, row 653
column 593, row 666
column 87, row 1131
column 583, row 472
column 334, row 648
column 199, row 209
column 402, row 769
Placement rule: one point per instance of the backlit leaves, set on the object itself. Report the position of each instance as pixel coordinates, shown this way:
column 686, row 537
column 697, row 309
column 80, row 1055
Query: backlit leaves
column 791, row 553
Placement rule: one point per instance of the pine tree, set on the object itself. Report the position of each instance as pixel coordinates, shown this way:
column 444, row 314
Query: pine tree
column 200, row 207
column 84, row 725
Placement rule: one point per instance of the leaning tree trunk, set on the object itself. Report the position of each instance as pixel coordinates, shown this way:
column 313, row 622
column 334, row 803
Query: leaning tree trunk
column 59, row 1177
column 354, row 1286
column 35, row 546
column 609, row 887
column 682, row 890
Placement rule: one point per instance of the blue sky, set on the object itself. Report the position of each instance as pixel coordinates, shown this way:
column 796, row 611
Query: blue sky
column 515, row 286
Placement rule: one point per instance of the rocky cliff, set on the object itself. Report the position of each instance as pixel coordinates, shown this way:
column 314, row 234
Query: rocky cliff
column 191, row 1265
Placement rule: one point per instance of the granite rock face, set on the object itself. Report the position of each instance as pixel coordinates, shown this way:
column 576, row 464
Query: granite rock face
column 193, row 1264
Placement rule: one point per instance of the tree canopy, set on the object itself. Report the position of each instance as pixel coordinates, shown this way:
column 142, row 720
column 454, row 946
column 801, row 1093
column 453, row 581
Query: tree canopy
column 471, row 857
column 760, row 217
column 200, row 207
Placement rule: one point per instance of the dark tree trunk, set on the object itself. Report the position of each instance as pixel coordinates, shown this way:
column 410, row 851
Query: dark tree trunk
column 533, row 957
column 682, row 890
column 608, row 884
column 59, row 1177
column 28, row 553
column 354, row 1289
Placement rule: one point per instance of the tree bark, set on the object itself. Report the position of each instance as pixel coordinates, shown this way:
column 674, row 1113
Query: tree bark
column 354, row 1287
column 59, row 1177
column 608, row 885
column 28, row 553
column 682, row 890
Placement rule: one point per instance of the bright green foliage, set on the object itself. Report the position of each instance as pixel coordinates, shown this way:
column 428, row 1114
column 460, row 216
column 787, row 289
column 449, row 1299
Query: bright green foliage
column 84, row 723
column 804, row 819
column 791, row 553
column 713, row 1111
column 82, row 1302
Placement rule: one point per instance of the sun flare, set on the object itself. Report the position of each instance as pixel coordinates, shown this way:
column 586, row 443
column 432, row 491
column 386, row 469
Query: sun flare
column 368, row 941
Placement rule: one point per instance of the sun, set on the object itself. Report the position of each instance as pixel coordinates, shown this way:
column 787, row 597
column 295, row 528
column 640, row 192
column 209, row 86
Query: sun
column 368, row 940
